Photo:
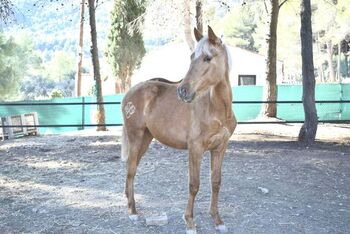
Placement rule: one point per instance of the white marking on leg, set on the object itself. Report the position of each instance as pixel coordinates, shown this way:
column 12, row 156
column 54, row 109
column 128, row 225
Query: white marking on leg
column 191, row 231
column 221, row 228
column 129, row 109
column 134, row 218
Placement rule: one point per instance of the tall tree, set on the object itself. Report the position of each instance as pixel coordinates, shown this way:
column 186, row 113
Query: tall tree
column 187, row 21
column 100, row 118
column 125, row 42
column 80, row 50
column 187, row 24
column 270, row 90
column 199, row 16
column 308, row 131
column 17, row 60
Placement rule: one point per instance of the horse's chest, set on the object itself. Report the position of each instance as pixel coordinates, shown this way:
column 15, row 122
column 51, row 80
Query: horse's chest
column 216, row 139
column 214, row 134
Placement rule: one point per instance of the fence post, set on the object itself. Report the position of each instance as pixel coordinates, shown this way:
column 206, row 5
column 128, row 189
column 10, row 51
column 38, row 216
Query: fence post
column 36, row 123
column 2, row 130
column 83, row 113
column 10, row 129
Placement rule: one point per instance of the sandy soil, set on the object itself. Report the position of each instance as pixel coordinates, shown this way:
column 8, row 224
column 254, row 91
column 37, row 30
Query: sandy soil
column 73, row 183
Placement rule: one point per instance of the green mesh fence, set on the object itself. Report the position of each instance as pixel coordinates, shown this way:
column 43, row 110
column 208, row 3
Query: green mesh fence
column 84, row 114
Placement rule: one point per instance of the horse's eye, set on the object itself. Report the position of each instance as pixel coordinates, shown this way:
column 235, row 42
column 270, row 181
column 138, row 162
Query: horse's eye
column 207, row 59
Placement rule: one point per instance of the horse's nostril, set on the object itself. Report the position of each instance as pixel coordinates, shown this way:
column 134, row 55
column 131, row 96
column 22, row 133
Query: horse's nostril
column 183, row 91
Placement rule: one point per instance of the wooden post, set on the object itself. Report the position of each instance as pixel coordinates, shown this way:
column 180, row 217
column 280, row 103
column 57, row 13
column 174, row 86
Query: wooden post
column 2, row 130
column 10, row 134
column 36, row 122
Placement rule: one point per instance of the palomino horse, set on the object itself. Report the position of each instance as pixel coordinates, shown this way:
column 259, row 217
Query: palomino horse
column 194, row 114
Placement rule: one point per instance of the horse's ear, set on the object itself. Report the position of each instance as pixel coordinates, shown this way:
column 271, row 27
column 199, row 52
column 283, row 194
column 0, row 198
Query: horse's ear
column 197, row 34
column 213, row 39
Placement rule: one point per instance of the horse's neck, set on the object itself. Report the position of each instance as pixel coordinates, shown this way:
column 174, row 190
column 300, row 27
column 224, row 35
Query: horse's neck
column 221, row 97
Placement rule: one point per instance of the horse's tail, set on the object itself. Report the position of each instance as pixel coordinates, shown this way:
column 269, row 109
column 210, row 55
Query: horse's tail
column 125, row 145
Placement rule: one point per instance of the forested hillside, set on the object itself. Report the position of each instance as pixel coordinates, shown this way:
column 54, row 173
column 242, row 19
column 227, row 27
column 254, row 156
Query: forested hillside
column 54, row 24
column 47, row 32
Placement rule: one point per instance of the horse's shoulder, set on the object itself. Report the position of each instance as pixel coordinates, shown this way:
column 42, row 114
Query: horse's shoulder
column 147, row 90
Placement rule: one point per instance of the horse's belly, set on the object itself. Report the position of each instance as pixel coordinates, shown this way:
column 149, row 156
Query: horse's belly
column 170, row 136
column 169, row 127
column 166, row 117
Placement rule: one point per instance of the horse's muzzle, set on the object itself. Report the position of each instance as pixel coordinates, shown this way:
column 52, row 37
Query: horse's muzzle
column 184, row 94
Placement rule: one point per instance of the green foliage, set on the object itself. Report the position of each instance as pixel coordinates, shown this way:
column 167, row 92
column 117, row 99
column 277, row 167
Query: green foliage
column 56, row 93
column 24, row 75
column 239, row 27
column 247, row 27
column 17, row 59
column 335, row 26
column 125, row 43
column 61, row 67
column 54, row 24
column 288, row 35
column 41, row 87
column 36, row 87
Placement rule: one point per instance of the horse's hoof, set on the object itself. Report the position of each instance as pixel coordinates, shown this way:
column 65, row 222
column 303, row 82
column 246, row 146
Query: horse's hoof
column 221, row 228
column 134, row 217
column 189, row 231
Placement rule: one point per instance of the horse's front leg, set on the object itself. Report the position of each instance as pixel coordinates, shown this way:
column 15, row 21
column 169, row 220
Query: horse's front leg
column 217, row 157
column 194, row 159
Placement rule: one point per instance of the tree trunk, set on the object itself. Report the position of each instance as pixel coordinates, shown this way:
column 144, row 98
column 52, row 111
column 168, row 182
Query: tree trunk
column 320, row 62
column 346, row 65
column 100, row 118
column 124, row 80
column 308, row 131
column 187, row 24
column 338, row 62
column 80, row 51
column 270, row 89
column 199, row 16
column 117, row 86
column 330, row 61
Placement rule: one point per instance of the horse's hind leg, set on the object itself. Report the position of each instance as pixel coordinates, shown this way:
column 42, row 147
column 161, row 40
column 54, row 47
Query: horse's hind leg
column 139, row 141
column 217, row 157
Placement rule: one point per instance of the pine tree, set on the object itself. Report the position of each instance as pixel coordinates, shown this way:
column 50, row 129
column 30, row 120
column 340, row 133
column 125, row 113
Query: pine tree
column 125, row 43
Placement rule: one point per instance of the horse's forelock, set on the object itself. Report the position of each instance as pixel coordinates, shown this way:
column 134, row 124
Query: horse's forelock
column 204, row 47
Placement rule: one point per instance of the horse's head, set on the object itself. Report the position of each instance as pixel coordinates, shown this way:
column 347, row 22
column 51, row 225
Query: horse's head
column 209, row 63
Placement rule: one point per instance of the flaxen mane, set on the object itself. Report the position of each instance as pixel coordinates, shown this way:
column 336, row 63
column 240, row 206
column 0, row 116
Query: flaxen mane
column 166, row 81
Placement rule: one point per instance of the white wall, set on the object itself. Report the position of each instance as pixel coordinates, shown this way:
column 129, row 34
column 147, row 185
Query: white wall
column 172, row 62
column 245, row 62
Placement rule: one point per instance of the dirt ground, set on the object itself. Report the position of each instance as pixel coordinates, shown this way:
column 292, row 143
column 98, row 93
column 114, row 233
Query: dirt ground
column 73, row 183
